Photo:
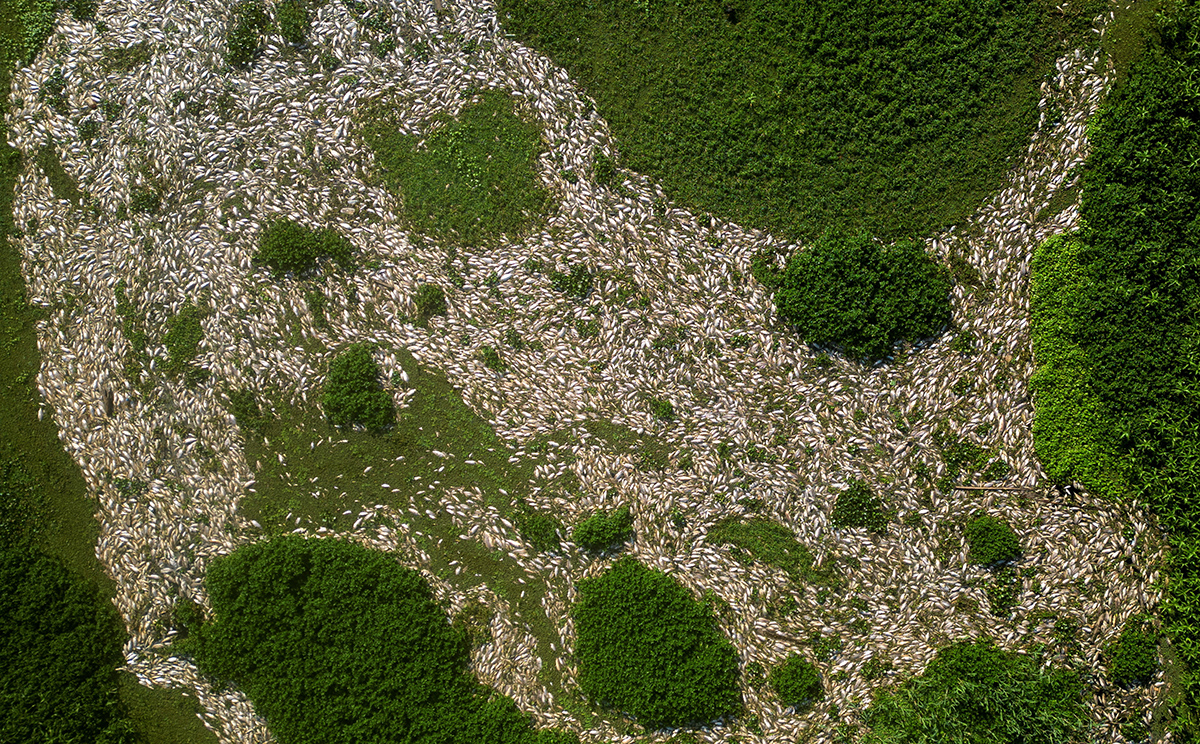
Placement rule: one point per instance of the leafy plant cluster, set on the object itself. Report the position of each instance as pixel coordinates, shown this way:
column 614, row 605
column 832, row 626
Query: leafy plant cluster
column 976, row 693
column 648, row 648
column 62, row 644
column 293, row 618
column 354, row 394
column 540, row 529
column 430, row 300
column 893, row 119
column 294, row 21
column 855, row 294
column 762, row 539
column 182, row 339
column 859, row 506
column 243, row 404
column 476, row 179
column 1133, row 659
column 797, row 682
column 991, row 540
column 1116, row 322
column 576, row 282
column 287, row 247
column 244, row 40
column 22, row 505
column 604, row 530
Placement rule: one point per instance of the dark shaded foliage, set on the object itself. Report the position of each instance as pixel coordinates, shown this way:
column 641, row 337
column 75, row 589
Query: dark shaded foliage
column 992, row 540
column 294, row 21
column 648, row 648
column 62, row 644
column 603, row 530
column 858, row 506
column 244, row 40
column 1133, row 659
column 335, row 643
column 354, row 394
column 289, row 247
column 855, row 294
column 797, row 682
column 430, row 300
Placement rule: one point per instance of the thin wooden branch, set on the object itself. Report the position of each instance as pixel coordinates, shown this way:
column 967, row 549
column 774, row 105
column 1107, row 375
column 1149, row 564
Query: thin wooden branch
column 995, row 488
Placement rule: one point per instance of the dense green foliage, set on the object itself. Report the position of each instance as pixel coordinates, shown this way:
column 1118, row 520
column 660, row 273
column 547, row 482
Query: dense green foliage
column 797, row 682
column 245, row 409
column 980, row 694
column 855, row 294
column 430, row 300
column 289, row 247
column 294, row 21
column 337, row 643
column 858, row 506
column 603, row 530
column 1133, row 659
column 36, row 21
column 646, row 647
column 765, row 540
column 183, row 338
column 992, row 540
column 1116, row 323
column 244, row 39
column 354, row 395
column 893, row 118
column 476, row 178
column 539, row 528
column 576, row 282
column 62, row 644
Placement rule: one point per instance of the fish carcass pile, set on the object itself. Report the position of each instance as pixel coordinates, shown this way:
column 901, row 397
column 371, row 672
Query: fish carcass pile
column 281, row 140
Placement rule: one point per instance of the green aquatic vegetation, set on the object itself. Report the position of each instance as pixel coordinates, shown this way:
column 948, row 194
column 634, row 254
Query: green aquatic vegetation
column 182, row 338
column 354, row 395
column 292, row 615
column 858, row 506
column 648, row 648
column 287, row 247
column 475, row 179
column 1133, row 659
column 991, row 540
column 853, row 293
column 797, row 682
column 895, row 119
column 603, row 530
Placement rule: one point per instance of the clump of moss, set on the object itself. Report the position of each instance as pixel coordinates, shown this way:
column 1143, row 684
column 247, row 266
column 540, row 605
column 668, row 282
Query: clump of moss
column 601, row 531
column 289, row 247
column 182, row 340
column 797, row 682
column 294, row 22
column 992, row 540
column 858, row 506
column 244, row 40
column 1133, row 659
column 430, row 300
column 354, row 395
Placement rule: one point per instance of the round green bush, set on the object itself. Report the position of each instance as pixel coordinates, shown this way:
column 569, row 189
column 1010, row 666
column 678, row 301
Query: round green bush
column 648, row 648
column 601, row 531
column 244, row 39
column 991, row 540
column 1133, row 659
column 62, row 644
column 852, row 293
column 354, row 395
column 975, row 693
column 289, row 247
column 336, row 643
column 858, row 506
column 797, row 682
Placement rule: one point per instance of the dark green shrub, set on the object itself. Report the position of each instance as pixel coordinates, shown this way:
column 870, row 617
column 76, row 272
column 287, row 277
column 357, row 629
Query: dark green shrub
column 797, row 682
column 293, row 616
column 604, row 170
column 976, row 693
column 430, row 300
column 601, row 531
column 648, row 648
column 293, row 20
column 62, row 644
column 1133, row 659
column 1003, row 591
column 852, row 293
column 992, row 540
column 764, row 268
column 183, row 337
column 538, row 528
column 124, row 59
column 244, row 39
column 354, row 395
column 289, row 247
column 476, row 179
column 858, row 506
column 576, row 283
column 36, row 19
